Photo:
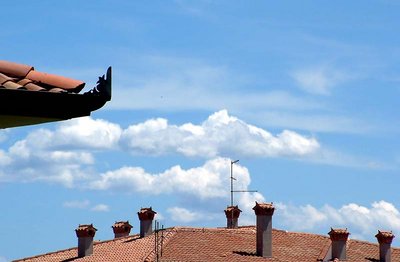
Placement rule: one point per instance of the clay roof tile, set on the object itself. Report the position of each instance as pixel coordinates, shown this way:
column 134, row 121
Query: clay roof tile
column 14, row 69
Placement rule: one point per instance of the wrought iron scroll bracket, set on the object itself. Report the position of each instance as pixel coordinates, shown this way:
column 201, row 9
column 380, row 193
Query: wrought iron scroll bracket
column 103, row 87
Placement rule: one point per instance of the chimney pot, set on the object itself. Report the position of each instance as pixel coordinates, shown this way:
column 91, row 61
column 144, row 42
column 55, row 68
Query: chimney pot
column 121, row 229
column 385, row 239
column 339, row 238
column 146, row 216
column 85, row 234
column 264, row 212
column 232, row 214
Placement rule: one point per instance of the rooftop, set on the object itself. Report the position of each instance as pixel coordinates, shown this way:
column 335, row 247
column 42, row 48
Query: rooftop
column 217, row 244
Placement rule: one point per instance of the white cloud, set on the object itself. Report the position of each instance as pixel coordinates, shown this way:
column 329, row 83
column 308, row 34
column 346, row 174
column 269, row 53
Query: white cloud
column 179, row 214
column 361, row 221
column 85, row 204
column 83, row 132
column 205, row 182
column 220, row 134
column 87, row 132
column 28, row 161
column 100, row 208
column 3, row 135
column 65, row 155
column 3, row 259
column 77, row 204
column 4, row 158
column 318, row 81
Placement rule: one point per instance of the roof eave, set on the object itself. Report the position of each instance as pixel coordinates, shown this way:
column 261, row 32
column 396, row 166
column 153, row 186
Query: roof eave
column 23, row 107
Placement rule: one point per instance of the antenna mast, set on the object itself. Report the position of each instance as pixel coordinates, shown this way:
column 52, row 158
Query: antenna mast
column 232, row 178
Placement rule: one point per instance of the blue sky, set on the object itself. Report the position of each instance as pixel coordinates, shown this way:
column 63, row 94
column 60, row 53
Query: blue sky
column 305, row 94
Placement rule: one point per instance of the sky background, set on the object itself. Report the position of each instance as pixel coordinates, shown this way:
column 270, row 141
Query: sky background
column 304, row 93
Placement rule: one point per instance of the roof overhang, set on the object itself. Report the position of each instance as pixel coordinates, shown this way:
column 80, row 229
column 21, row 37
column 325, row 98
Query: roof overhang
column 24, row 107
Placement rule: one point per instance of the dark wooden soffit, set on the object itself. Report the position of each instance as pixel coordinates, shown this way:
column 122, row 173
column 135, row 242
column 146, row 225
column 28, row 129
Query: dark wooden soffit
column 20, row 107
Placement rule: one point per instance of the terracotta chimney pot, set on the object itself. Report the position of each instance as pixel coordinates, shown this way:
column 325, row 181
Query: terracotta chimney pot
column 232, row 214
column 146, row 216
column 85, row 234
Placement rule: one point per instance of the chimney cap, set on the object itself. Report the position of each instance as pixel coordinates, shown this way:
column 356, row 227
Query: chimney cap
column 232, row 212
column 146, row 213
column 385, row 237
column 339, row 234
column 85, row 230
column 122, row 227
column 264, row 209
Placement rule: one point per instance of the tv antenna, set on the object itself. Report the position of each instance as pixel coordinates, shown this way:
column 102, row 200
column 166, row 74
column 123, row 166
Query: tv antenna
column 232, row 178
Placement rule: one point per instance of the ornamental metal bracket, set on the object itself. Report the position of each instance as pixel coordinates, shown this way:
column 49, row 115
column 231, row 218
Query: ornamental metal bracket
column 103, row 87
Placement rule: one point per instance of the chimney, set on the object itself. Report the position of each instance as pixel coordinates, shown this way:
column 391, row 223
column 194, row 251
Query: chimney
column 146, row 216
column 121, row 229
column 339, row 238
column 232, row 214
column 85, row 234
column 385, row 240
column 264, row 212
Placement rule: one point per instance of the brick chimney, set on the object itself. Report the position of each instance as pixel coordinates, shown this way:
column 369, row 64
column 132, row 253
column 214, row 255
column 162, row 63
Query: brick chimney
column 339, row 238
column 385, row 239
column 121, row 229
column 232, row 214
column 146, row 216
column 85, row 234
column 264, row 212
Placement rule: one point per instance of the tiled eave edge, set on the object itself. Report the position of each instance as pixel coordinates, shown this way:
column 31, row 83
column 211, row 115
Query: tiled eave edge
column 54, row 106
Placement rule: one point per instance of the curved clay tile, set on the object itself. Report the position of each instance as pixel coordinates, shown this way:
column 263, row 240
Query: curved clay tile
column 56, row 81
column 12, row 85
column 14, row 69
column 4, row 78
column 28, row 84
column 57, row 90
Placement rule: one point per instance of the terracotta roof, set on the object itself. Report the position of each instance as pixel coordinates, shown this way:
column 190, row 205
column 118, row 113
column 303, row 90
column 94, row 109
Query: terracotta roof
column 20, row 76
column 28, row 96
column 218, row 244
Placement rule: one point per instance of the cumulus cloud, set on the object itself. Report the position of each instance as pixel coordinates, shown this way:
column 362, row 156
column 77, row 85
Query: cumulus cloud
column 78, row 133
column 207, row 181
column 204, row 183
column 179, row 214
column 66, row 155
column 28, row 161
column 318, row 81
column 220, row 134
column 362, row 222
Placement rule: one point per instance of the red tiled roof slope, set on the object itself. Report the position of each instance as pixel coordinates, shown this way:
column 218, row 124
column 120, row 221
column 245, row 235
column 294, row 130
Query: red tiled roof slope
column 25, row 77
column 219, row 244
column 131, row 248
